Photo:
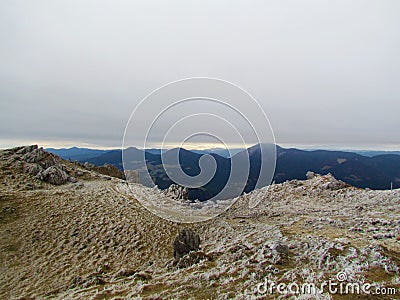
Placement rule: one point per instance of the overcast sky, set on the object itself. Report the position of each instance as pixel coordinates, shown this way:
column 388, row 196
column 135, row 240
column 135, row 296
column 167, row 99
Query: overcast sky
column 327, row 73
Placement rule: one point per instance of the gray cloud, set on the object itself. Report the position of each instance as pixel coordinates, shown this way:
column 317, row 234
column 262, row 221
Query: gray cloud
column 326, row 72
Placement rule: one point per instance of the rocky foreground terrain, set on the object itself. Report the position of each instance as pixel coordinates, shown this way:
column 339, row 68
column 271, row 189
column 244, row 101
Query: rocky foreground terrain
column 69, row 232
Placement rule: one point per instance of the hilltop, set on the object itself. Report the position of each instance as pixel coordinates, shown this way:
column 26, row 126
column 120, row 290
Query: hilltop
column 85, row 237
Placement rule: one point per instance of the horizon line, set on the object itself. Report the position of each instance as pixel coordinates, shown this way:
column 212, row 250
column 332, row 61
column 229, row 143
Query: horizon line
column 201, row 146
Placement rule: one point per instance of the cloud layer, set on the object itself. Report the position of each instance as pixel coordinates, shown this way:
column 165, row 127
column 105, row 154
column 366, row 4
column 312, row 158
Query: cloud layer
column 325, row 72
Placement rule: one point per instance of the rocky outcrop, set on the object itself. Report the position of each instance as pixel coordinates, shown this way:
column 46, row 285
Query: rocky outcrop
column 332, row 183
column 185, row 242
column 37, row 162
column 54, row 175
column 326, row 182
column 50, row 168
column 177, row 192
column 35, row 155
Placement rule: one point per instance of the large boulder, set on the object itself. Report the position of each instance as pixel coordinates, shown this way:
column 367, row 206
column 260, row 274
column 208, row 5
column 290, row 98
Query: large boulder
column 185, row 242
column 54, row 175
column 310, row 175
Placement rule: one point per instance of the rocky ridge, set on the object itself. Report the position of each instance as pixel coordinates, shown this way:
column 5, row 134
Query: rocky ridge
column 91, row 240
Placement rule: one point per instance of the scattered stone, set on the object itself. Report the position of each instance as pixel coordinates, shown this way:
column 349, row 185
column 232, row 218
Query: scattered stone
column 143, row 276
column 238, row 247
column 125, row 273
column 29, row 186
column 88, row 165
column 381, row 236
column 77, row 185
column 282, row 249
column 9, row 210
column 76, row 281
column 103, row 269
column 72, row 179
column 93, row 280
column 359, row 207
column 191, row 258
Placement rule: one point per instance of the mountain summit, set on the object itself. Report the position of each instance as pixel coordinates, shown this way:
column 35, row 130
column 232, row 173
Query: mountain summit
column 91, row 239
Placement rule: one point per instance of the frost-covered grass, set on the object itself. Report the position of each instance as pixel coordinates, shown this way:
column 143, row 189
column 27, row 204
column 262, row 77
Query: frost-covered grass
column 94, row 240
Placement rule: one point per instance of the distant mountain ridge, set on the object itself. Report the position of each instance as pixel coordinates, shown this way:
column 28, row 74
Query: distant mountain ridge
column 75, row 153
column 372, row 153
column 377, row 172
